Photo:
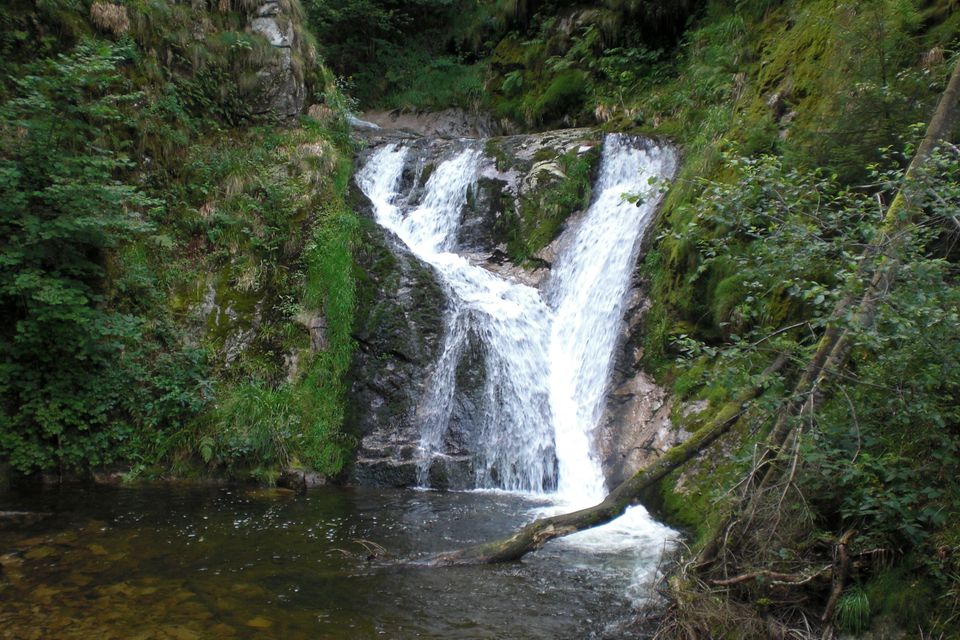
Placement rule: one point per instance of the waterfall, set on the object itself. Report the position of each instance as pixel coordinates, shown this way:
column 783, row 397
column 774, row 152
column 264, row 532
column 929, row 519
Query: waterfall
column 588, row 289
column 546, row 357
column 514, row 447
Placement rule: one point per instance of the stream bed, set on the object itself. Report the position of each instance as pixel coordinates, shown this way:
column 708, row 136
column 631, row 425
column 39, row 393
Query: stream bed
column 235, row 562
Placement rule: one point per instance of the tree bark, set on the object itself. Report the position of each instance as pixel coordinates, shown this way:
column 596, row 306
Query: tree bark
column 536, row 534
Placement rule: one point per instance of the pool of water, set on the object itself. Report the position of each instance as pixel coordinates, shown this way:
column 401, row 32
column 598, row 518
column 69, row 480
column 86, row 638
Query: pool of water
column 221, row 562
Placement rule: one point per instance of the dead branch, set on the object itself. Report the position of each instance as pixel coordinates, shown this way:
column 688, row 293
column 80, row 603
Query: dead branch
column 774, row 577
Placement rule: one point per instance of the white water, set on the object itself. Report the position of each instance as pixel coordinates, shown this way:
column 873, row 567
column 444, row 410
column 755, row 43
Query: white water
column 548, row 357
column 514, row 449
column 588, row 288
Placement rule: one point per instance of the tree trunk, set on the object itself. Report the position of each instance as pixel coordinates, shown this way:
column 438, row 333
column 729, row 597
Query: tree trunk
column 536, row 534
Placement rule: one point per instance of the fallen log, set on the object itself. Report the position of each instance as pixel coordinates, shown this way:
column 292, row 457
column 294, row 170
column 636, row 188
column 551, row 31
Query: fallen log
column 536, row 534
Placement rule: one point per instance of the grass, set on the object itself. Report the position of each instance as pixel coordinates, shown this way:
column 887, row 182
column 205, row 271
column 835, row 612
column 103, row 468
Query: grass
column 853, row 611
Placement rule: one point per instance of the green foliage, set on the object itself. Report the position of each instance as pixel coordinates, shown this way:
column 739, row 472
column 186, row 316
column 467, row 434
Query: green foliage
column 278, row 230
column 853, row 611
column 254, row 425
column 67, row 355
column 106, row 357
column 565, row 94
column 900, row 594
column 401, row 54
column 435, row 83
column 542, row 212
column 875, row 457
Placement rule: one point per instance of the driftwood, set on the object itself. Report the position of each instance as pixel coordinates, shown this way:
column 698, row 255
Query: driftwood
column 536, row 534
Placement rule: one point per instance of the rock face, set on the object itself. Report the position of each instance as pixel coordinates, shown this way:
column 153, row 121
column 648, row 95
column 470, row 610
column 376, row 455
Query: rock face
column 399, row 329
column 635, row 428
column 449, row 123
column 281, row 88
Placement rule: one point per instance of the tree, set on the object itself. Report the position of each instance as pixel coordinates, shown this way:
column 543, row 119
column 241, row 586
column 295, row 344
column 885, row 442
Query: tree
column 62, row 211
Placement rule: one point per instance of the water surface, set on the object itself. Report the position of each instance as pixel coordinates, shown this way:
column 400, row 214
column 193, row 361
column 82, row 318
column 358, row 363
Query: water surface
column 241, row 563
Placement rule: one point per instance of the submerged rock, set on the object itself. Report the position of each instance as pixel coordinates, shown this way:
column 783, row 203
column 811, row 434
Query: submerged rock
column 20, row 519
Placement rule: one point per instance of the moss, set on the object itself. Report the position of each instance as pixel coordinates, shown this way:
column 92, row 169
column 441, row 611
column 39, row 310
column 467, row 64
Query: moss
column 897, row 594
column 565, row 95
column 694, row 497
column 541, row 213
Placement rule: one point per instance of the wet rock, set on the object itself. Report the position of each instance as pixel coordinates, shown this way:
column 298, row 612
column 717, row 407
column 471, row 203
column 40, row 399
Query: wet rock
column 380, row 468
column 398, row 327
column 222, row 630
column 259, row 623
column 40, row 553
column 108, row 477
column 640, row 411
column 181, row 633
column 451, row 472
column 79, row 579
column 301, row 479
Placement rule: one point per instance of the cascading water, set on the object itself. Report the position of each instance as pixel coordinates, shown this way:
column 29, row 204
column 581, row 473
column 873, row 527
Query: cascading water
column 547, row 358
column 514, row 449
column 587, row 292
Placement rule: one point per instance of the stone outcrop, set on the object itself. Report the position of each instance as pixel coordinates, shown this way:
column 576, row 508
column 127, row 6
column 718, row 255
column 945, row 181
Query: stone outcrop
column 281, row 86
column 449, row 123
column 635, row 428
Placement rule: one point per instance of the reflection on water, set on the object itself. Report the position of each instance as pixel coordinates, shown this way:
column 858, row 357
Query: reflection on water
column 241, row 563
